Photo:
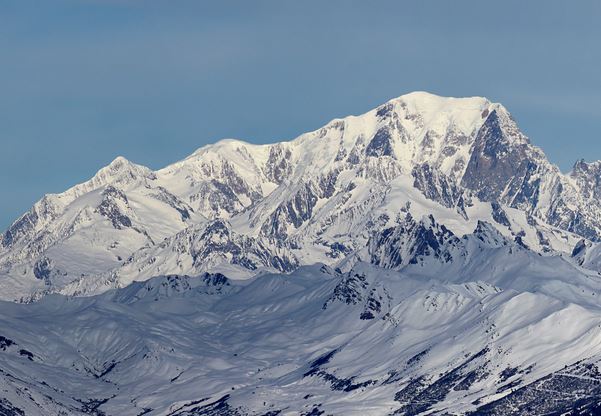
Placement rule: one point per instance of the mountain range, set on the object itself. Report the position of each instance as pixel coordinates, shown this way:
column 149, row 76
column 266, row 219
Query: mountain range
column 421, row 258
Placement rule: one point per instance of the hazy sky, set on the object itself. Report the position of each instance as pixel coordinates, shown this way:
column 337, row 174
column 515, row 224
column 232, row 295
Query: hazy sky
column 82, row 81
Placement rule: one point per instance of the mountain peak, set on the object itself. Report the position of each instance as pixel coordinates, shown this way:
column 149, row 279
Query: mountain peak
column 582, row 166
column 425, row 101
column 428, row 96
column 119, row 161
column 220, row 145
column 121, row 166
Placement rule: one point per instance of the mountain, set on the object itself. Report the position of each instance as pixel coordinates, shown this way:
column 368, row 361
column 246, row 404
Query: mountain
column 514, row 333
column 316, row 198
column 421, row 258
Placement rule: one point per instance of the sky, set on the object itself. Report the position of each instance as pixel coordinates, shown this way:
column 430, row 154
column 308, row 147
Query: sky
column 83, row 81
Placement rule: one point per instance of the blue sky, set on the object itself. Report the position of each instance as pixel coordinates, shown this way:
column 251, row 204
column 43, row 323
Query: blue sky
column 82, row 81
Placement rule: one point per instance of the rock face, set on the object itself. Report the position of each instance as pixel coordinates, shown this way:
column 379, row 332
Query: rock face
column 501, row 161
column 588, row 178
column 505, row 167
column 440, row 188
column 320, row 197
column 411, row 242
column 112, row 207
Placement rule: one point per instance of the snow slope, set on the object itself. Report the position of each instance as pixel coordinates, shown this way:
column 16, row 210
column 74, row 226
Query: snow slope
column 520, row 336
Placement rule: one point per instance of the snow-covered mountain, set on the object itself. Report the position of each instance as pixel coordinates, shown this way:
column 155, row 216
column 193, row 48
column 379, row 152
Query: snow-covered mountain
column 319, row 197
column 421, row 258
column 513, row 333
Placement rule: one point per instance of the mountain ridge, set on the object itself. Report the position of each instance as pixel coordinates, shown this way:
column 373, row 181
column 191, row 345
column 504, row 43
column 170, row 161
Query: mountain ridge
column 423, row 258
column 313, row 193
